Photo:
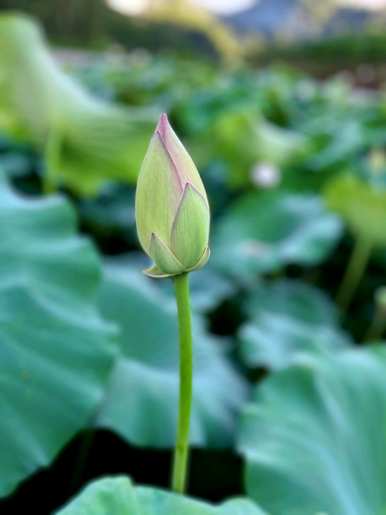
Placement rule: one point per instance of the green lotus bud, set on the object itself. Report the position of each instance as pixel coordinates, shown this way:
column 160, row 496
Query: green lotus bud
column 171, row 206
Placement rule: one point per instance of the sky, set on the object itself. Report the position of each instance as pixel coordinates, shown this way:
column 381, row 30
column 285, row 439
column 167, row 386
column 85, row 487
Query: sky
column 371, row 4
column 228, row 6
column 218, row 6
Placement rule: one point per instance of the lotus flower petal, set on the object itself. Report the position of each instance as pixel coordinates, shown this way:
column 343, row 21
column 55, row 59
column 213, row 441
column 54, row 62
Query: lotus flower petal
column 164, row 258
column 190, row 231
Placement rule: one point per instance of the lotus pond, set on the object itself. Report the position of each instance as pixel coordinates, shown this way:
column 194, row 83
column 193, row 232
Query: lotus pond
column 289, row 405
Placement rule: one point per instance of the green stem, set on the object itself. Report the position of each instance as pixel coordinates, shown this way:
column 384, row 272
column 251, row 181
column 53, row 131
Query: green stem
column 84, row 452
column 52, row 156
column 354, row 272
column 181, row 454
column 48, row 186
column 377, row 327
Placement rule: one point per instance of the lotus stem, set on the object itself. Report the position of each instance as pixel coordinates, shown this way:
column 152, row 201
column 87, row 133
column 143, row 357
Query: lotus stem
column 378, row 323
column 376, row 328
column 52, row 156
column 181, row 454
column 48, row 186
column 354, row 272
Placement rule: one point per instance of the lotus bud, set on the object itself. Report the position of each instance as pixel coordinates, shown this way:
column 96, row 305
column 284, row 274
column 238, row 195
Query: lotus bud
column 171, row 207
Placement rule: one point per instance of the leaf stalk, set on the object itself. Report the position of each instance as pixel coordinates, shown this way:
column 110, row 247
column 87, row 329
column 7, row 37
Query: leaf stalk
column 354, row 272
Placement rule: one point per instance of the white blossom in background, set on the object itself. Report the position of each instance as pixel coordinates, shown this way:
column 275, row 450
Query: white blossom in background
column 265, row 175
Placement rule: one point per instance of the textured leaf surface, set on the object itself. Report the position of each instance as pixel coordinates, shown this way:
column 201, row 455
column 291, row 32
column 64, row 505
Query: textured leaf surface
column 293, row 298
column 263, row 232
column 142, row 401
column 55, row 350
column 289, row 319
column 314, row 437
column 118, row 496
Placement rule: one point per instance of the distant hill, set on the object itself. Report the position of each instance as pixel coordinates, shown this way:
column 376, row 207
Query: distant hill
column 290, row 19
column 348, row 20
column 266, row 18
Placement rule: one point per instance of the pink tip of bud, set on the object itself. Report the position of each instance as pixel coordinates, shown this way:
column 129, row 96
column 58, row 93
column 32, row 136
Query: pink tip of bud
column 162, row 126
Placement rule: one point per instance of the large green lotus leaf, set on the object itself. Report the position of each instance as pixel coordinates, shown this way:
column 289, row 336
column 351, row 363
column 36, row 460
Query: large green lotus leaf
column 141, row 404
column 361, row 205
column 345, row 143
column 56, row 351
column 279, row 146
column 263, row 232
column 288, row 319
column 110, row 217
column 118, row 496
column 275, row 341
column 314, row 437
column 86, row 140
column 293, row 298
column 208, row 288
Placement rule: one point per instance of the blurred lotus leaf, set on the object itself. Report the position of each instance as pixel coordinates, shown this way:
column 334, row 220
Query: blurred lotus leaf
column 345, row 141
column 274, row 341
column 110, row 216
column 294, row 298
column 372, row 169
column 242, row 137
column 145, row 380
column 361, row 205
column 313, row 437
column 289, row 319
column 208, row 289
column 118, row 496
column 263, row 232
column 56, row 351
column 86, row 140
